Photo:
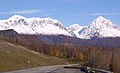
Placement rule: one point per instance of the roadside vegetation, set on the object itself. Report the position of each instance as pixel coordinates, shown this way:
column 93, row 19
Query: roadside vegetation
column 107, row 58
column 15, row 57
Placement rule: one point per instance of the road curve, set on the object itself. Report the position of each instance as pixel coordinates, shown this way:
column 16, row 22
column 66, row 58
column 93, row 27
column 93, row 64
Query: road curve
column 48, row 69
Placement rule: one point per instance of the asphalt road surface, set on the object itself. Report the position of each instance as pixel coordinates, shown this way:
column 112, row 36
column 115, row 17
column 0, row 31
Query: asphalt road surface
column 48, row 69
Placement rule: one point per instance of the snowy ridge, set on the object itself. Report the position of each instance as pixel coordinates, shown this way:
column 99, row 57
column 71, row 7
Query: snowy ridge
column 99, row 28
column 22, row 25
column 75, row 28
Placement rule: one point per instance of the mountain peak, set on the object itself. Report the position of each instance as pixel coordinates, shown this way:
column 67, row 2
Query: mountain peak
column 100, row 18
column 74, row 27
column 100, row 27
column 15, row 17
column 18, row 16
column 45, row 26
column 100, row 21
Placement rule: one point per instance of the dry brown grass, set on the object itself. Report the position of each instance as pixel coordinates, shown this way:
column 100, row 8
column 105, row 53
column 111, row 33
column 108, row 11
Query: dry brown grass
column 15, row 57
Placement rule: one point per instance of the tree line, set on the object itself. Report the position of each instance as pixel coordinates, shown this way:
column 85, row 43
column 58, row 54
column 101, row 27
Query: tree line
column 96, row 57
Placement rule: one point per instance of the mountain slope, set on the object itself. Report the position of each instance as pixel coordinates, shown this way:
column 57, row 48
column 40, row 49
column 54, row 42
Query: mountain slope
column 75, row 28
column 45, row 26
column 99, row 28
column 14, row 57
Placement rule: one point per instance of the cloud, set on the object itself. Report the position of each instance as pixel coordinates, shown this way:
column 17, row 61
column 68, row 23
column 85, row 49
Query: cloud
column 31, row 11
column 96, row 14
column 106, row 14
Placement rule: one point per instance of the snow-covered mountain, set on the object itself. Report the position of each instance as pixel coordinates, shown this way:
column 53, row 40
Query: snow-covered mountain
column 22, row 25
column 99, row 28
column 75, row 28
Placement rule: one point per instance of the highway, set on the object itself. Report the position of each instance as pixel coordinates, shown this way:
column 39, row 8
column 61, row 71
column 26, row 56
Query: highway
column 48, row 69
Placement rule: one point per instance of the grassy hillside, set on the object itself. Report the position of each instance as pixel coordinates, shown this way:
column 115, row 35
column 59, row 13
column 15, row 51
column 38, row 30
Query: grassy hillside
column 14, row 57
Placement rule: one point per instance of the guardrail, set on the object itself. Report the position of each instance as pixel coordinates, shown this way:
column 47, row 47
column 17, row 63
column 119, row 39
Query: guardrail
column 88, row 69
column 99, row 70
